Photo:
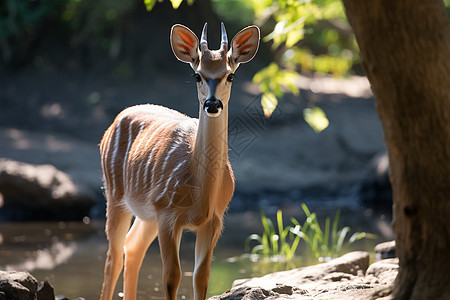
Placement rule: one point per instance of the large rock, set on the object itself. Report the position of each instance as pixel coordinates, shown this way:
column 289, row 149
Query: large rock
column 41, row 192
column 18, row 286
column 383, row 271
column 353, row 263
column 346, row 277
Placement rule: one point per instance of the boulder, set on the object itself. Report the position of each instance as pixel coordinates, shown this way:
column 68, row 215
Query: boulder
column 41, row 192
column 45, row 291
column 385, row 250
column 346, row 277
column 353, row 263
column 382, row 272
column 16, row 285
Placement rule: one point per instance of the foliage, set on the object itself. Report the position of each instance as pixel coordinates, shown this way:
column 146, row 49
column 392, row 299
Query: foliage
column 274, row 242
column 329, row 242
column 282, row 242
column 19, row 21
column 272, row 81
column 24, row 22
column 237, row 12
column 149, row 4
column 294, row 28
column 95, row 20
column 316, row 118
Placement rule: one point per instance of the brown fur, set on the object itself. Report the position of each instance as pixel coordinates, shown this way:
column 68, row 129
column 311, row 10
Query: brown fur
column 172, row 173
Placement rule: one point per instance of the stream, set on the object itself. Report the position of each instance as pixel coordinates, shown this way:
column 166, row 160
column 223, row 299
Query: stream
column 71, row 255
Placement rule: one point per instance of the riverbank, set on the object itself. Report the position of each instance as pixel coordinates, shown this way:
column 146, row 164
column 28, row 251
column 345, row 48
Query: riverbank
column 347, row 277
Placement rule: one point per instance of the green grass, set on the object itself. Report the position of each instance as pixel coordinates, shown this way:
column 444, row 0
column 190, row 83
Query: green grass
column 275, row 242
column 280, row 243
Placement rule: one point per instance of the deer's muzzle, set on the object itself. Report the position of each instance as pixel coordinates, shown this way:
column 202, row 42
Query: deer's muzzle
column 213, row 107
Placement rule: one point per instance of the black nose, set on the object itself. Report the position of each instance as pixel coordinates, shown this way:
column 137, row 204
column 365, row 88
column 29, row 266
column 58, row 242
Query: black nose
column 212, row 106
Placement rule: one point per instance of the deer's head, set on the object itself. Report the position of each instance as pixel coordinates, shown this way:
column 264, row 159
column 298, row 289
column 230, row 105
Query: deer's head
column 214, row 69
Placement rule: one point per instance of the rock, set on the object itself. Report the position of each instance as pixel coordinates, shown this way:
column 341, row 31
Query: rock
column 45, row 291
column 16, row 285
column 42, row 192
column 61, row 297
column 338, row 276
column 246, row 293
column 259, row 293
column 346, row 277
column 383, row 271
column 349, row 263
column 385, row 250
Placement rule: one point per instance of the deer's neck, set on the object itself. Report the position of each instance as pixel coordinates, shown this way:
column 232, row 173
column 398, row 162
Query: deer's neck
column 211, row 152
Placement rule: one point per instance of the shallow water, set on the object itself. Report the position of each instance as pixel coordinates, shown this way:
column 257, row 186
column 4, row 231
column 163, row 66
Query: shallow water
column 71, row 255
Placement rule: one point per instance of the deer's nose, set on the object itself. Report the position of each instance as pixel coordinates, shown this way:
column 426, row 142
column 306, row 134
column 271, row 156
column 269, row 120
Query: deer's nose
column 213, row 106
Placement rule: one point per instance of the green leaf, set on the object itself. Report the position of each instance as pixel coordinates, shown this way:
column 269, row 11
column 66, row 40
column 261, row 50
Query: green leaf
column 176, row 3
column 269, row 102
column 295, row 222
column 149, row 4
column 361, row 235
column 306, row 210
column 334, row 230
column 293, row 248
column 265, row 244
column 341, row 236
column 252, row 237
column 316, row 118
column 258, row 249
column 280, row 223
column 326, row 234
column 293, row 37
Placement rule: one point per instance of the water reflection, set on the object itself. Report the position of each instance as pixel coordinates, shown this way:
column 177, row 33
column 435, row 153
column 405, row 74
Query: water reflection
column 72, row 255
column 46, row 259
column 30, row 246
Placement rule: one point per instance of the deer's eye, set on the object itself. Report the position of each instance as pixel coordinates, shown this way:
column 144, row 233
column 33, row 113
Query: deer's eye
column 197, row 77
column 230, row 77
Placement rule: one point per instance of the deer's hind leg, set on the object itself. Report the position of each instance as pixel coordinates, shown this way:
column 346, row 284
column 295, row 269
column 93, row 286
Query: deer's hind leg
column 118, row 222
column 137, row 241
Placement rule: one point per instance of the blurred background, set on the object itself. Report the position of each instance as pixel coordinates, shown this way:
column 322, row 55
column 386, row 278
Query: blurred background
column 303, row 127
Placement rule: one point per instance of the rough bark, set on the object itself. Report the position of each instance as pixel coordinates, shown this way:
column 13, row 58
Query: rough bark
column 405, row 50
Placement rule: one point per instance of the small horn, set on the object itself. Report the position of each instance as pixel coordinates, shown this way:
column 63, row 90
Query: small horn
column 203, row 40
column 224, row 42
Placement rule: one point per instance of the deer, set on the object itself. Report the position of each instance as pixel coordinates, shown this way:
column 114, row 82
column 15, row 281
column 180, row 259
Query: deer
column 165, row 172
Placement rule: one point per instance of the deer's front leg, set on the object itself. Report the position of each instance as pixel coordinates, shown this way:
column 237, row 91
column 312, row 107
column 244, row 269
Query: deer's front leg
column 169, row 244
column 137, row 241
column 207, row 237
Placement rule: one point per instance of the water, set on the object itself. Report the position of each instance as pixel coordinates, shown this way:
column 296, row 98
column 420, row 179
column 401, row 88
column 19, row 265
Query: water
column 71, row 255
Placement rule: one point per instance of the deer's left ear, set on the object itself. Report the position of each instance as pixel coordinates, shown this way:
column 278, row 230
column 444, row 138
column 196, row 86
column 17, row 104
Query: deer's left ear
column 184, row 44
column 245, row 44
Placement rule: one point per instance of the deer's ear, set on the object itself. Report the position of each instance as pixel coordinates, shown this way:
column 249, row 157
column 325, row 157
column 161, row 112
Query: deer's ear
column 184, row 43
column 245, row 45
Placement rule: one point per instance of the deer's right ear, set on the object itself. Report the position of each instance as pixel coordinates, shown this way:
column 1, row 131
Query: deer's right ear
column 245, row 45
column 184, row 44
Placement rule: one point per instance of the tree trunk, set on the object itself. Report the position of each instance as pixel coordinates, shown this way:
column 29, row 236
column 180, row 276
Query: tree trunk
column 405, row 50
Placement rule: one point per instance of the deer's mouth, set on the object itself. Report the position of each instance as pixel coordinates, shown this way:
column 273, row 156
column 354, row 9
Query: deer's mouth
column 213, row 107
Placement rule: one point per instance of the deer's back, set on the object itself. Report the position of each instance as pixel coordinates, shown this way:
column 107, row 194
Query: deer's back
column 145, row 154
